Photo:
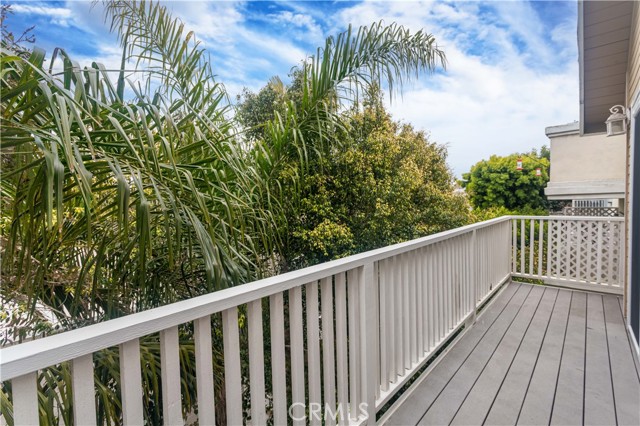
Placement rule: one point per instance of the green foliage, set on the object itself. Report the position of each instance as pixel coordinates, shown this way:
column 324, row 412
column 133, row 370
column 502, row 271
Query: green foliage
column 496, row 183
column 383, row 183
column 113, row 205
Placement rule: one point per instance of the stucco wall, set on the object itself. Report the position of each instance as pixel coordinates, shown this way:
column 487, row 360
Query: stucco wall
column 588, row 158
column 588, row 166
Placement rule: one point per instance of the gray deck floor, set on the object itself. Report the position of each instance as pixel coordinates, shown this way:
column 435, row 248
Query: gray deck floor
column 537, row 355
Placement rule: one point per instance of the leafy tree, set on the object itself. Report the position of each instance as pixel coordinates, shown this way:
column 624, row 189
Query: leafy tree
column 113, row 205
column 383, row 183
column 497, row 183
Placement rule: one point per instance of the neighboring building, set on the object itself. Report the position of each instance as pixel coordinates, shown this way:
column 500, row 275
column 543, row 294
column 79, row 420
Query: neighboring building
column 586, row 169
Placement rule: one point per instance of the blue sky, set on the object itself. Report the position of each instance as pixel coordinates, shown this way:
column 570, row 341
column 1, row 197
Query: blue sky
column 512, row 69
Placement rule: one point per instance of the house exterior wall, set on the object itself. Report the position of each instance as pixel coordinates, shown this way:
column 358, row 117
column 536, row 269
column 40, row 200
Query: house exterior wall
column 588, row 166
column 632, row 145
column 633, row 77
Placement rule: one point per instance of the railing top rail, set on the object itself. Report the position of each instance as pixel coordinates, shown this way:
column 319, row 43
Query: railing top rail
column 571, row 218
column 31, row 356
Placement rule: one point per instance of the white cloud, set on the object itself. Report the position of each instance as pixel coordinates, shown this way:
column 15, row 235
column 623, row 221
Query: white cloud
column 510, row 72
column 305, row 25
column 54, row 12
column 214, row 21
column 58, row 15
column 504, row 83
column 238, row 51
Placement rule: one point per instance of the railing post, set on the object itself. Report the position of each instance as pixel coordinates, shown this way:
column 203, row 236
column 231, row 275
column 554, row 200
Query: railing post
column 474, row 276
column 369, row 332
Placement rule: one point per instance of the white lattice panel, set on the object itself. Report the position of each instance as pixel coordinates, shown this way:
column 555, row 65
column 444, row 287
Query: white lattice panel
column 581, row 251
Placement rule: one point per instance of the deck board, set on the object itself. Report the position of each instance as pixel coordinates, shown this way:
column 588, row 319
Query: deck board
column 506, row 404
column 450, row 399
column 537, row 355
column 569, row 394
column 538, row 400
column 439, row 377
column 476, row 406
column 626, row 384
column 599, row 407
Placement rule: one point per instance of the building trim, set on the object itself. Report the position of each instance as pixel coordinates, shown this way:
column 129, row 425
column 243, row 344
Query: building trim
column 585, row 189
column 562, row 129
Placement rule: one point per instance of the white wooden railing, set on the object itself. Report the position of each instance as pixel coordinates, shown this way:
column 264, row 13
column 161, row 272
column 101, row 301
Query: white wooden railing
column 357, row 329
column 576, row 252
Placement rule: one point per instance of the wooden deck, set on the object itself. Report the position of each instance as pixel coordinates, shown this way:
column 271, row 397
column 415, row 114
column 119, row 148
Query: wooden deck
column 537, row 355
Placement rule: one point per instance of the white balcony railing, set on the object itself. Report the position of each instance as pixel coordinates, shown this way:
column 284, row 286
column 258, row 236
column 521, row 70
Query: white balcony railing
column 362, row 325
column 578, row 252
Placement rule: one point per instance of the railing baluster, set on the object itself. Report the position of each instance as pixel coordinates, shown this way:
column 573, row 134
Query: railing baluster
column 232, row 377
column 204, row 371
column 354, row 341
column 425, row 299
column 441, row 312
column 328, row 358
column 433, row 325
column 391, row 323
column 369, row 376
column 278, row 359
column 398, row 290
column 447, row 285
column 481, row 264
column 413, row 337
column 419, row 303
column 25, row 400
column 531, row 244
column 406, row 335
column 313, row 350
column 455, row 301
column 523, row 247
column 342, row 367
column 384, row 382
column 297, row 356
column 84, row 400
column 540, row 241
column 170, row 372
column 514, row 245
column 474, row 275
column 375, row 324
column 452, row 283
column 131, row 383
column 465, row 274
column 256, row 363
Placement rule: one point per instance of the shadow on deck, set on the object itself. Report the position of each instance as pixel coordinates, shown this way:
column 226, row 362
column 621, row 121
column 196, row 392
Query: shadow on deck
column 536, row 355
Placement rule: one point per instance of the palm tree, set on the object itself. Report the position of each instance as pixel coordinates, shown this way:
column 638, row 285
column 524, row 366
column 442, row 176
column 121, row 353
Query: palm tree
column 114, row 204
